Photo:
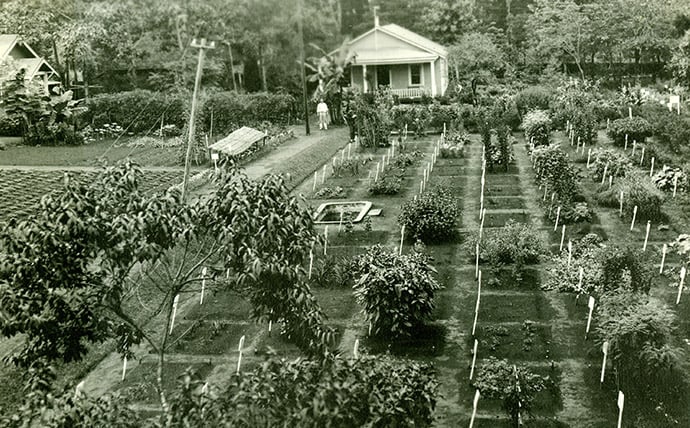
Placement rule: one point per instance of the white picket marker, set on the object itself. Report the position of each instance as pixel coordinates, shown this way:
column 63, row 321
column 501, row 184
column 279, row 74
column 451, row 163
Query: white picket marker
column 474, row 407
column 578, row 144
column 606, row 170
column 570, row 252
column 605, row 350
column 589, row 157
column 590, row 304
column 651, row 169
column 579, row 285
column 476, row 308
column 621, row 403
column 584, row 143
column 646, row 236
column 349, row 149
column 481, row 224
column 632, row 224
column 421, row 187
column 630, row 112
column 560, row 248
column 626, row 142
column 355, row 350
column 214, row 157
column 402, row 238
column 323, row 177
column 680, row 285
column 78, row 389
column 124, row 368
column 270, row 326
column 176, row 300
column 476, row 265
column 663, row 258
column 370, row 326
column 376, row 176
column 546, row 186
column 558, row 216
column 325, row 241
column 311, row 263
column 675, row 185
column 316, row 178
column 474, row 358
column 634, row 147
column 620, row 211
column 610, row 181
column 239, row 357
column 642, row 157
column 203, row 285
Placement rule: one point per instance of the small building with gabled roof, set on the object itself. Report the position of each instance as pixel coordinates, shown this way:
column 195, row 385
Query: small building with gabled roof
column 409, row 64
column 14, row 48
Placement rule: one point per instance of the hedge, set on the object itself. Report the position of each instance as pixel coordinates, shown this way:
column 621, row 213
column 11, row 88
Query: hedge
column 429, row 117
column 138, row 111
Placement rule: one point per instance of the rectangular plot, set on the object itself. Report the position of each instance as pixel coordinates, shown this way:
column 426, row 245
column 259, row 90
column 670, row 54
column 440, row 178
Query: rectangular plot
column 498, row 190
column 514, row 341
column 504, row 203
column 516, row 307
column 212, row 337
column 500, row 219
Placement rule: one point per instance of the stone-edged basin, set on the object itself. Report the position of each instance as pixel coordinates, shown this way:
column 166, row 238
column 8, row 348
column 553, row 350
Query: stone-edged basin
column 329, row 212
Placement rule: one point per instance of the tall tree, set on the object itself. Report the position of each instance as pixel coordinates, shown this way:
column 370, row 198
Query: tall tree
column 446, row 20
column 475, row 59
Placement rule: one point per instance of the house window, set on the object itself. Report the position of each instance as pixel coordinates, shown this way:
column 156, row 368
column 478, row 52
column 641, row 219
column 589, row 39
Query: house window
column 415, row 74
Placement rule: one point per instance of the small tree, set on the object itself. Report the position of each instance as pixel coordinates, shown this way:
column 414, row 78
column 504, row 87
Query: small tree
column 397, row 291
column 537, row 126
column 432, row 217
column 515, row 386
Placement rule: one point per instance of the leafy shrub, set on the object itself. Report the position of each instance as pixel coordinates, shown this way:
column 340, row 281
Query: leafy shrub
column 673, row 132
column 640, row 331
column 638, row 191
column 533, row 98
column 614, row 162
column 231, row 110
column 537, row 126
column 566, row 278
column 330, row 193
column 397, row 291
column 624, row 267
column 431, row 217
column 553, row 169
column 10, row 126
column 388, row 184
column 637, row 129
column 577, row 212
column 454, row 145
column 450, row 115
column 665, row 178
column 138, row 111
column 515, row 243
column 373, row 117
column 332, row 272
column 584, row 123
column 501, row 154
column 403, row 160
column 515, row 386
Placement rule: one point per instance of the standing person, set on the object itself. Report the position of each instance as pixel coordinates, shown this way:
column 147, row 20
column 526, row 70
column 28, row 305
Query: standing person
column 322, row 111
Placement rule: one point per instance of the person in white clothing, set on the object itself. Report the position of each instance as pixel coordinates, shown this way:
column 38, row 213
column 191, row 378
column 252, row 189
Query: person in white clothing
column 322, row 112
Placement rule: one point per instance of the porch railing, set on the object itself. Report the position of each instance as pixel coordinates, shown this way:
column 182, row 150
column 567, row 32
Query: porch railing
column 408, row 92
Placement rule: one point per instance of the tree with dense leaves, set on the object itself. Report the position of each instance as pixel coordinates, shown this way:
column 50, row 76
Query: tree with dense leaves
column 445, row 21
column 515, row 386
column 72, row 273
column 475, row 59
column 680, row 61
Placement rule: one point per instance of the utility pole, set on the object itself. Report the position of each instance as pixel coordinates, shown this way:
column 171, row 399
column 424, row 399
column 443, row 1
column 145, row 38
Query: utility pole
column 197, row 82
column 303, row 73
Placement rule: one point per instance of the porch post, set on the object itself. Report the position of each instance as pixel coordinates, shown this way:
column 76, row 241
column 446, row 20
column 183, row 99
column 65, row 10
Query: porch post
column 364, row 77
column 433, row 79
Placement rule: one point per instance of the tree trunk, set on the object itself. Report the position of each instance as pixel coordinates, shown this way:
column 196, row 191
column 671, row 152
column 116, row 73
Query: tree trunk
column 262, row 69
column 232, row 67
column 57, row 59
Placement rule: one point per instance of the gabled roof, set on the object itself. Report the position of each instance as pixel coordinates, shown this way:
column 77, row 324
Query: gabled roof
column 32, row 65
column 238, row 141
column 406, row 36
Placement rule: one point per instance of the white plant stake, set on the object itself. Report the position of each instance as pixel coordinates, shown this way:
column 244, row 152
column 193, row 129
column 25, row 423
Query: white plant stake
column 680, row 285
column 176, row 300
column 634, row 147
column 621, row 403
column 311, row 262
column 579, row 285
column 560, row 248
column 239, row 357
column 610, row 181
column 323, row 177
column 570, row 252
column 630, row 112
column 402, row 238
column 606, row 170
column 605, row 350
column 642, row 157
column 663, row 258
column 476, row 266
column 546, row 186
column 376, row 176
column 626, row 142
column 481, row 224
column 476, row 308
column 589, row 157
column 124, row 368
column 474, row 358
column 355, row 350
column 620, row 213
column 590, row 304
column 349, row 149
column 646, row 236
column 632, row 225
column 325, row 241
column 651, row 169
column 558, row 216
column 203, row 285
column 474, row 407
